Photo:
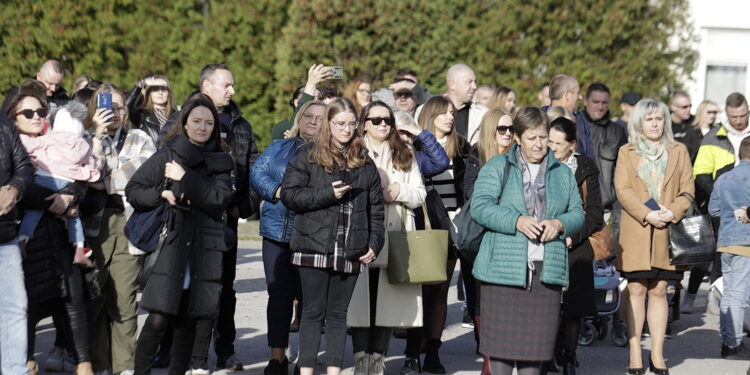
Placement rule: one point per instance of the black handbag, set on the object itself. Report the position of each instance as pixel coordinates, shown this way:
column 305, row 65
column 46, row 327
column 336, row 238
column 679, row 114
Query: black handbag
column 149, row 259
column 144, row 227
column 691, row 240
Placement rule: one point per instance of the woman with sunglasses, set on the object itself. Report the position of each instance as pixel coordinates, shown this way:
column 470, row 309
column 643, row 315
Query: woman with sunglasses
column 495, row 138
column 390, row 305
column 151, row 104
column 276, row 228
column 44, row 263
column 338, row 229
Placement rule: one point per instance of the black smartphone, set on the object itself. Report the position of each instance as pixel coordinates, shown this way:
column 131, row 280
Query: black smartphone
column 345, row 177
column 651, row 203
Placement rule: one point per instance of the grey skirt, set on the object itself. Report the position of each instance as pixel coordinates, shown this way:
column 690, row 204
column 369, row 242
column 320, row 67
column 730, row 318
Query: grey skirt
column 520, row 323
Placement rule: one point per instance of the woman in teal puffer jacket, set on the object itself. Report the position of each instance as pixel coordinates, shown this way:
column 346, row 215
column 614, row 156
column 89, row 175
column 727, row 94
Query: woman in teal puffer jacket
column 522, row 262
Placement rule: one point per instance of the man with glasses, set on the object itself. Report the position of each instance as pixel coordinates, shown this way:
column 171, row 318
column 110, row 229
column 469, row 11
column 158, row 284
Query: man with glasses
column 680, row 105
column 51, row 74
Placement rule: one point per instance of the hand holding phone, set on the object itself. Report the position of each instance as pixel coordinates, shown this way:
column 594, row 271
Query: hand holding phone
column 104, row 100
column 340, row 189
column 337, row 72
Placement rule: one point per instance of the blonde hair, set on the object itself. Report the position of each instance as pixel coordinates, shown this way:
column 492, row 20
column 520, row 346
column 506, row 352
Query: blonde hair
column 500, row 97
column 701, row 112
column 643, row 108
column 487, row 146
column 294, row 131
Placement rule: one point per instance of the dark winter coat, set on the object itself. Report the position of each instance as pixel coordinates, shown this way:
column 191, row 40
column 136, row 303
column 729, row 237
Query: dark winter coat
column 606, row 140
column 15, row 170
column 307, row 189
column 579, row 298
column 197, row 234
column 241, row 140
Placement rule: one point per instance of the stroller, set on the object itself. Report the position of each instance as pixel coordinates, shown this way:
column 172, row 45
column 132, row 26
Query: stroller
column 608, row 288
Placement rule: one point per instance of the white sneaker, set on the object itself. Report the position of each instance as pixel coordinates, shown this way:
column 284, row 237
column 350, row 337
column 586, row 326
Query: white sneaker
column 127, row 372
column 197, row 371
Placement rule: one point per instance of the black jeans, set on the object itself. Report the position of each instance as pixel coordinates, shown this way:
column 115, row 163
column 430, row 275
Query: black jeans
column 327, row 294
column 184, row 340
column 224, row 330
column 372, row 339
column 283, row 285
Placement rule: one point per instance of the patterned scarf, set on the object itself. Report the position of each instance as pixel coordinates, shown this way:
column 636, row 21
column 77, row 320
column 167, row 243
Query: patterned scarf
column 161, row 116
column 653, row 164
column 533, row 191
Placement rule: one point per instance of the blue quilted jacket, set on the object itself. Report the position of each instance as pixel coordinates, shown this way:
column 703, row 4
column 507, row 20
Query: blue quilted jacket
column 503, row 254
column 276, row 221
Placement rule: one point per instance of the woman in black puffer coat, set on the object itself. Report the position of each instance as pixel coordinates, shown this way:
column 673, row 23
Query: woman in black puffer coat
column 186, row 280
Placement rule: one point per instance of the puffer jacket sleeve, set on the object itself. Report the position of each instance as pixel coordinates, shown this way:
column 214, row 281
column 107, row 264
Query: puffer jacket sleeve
column 488, row 189
column 432, row 159
column 573, row 218
column 23, row 171
column 594, row 213
column 296, row 192
column 413, row 193
column 377, row 210
column 210, row 194
column 143, row 190
column 260, row 176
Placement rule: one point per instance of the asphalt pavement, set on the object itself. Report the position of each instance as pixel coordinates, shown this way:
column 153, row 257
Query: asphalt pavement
column 693, row 350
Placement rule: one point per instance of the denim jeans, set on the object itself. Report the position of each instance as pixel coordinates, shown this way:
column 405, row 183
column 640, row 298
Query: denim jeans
column 736, row 269
column 283, row 285
column 31, row 217
column 13, row 308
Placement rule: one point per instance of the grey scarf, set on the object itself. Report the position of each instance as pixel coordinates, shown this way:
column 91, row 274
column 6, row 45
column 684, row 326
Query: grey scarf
column 533, row 191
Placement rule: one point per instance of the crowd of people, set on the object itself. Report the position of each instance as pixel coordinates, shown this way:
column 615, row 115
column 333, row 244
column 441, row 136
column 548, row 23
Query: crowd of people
column 342, row 177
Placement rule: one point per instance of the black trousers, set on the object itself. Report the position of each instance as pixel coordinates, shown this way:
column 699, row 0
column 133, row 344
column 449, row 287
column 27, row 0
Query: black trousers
column 283, row 285
column 224, row 330
column 184, row 340
column 372, row 339
column 327, row 294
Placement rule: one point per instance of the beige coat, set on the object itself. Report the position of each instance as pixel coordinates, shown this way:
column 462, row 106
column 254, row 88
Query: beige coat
column 634, row 252
column 398, row 305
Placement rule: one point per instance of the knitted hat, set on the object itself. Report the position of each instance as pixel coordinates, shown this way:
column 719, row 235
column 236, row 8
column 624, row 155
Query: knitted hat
column 69, row 118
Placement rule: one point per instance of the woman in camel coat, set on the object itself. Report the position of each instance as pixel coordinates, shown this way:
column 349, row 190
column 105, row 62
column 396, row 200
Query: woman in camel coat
column 652, row 166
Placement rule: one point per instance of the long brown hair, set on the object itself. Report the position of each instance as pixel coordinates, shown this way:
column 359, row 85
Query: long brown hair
column 193, row 102
column 436, row 106
column 325, row 154
column 350, row 91
column 401, row 155
column 148, row 104
column 486, row 145
column 112, row 89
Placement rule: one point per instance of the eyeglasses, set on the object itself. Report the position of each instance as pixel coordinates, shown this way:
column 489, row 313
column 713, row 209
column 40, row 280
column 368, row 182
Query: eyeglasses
column 29, row 113
column 713, row 112
column 343, row 125
column 310, row 117
column 504, row 129
column 158, row 88
column 378, row 120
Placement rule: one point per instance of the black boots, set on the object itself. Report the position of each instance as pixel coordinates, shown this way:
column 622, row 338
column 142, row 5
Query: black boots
column 431, row 358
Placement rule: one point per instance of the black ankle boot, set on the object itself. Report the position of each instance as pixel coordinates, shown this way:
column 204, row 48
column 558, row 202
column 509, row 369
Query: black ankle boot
column 570, row 364
column 431, row 358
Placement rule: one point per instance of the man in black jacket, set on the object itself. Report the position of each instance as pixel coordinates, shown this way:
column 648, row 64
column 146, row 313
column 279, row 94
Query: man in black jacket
column 16, row 172
column 606, row 139
column 217, row 82
column 51, row 74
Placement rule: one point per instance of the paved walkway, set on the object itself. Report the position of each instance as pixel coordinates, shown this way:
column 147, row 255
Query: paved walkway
column 694, row 350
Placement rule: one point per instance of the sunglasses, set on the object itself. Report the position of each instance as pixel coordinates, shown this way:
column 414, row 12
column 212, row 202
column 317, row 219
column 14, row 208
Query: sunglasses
column 158, row 88
column 29, row 113
column 404, row 95
column 378, row 120
column 504, row 129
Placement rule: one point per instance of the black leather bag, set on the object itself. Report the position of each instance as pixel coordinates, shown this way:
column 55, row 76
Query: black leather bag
column 149, row 259
column 692, row 240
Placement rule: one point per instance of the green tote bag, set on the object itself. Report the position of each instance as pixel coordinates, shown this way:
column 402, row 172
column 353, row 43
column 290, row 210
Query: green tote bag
column 417, row 256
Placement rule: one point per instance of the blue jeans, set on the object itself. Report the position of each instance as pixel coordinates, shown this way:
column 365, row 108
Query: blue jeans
column 31, row 217
column 736, row 269
column 13, row 309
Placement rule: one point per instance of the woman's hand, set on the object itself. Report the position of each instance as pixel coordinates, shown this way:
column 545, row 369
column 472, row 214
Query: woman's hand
column 411, row 128
column 8, row 198
column 391, row 192
column 339, row 189
column 168, row 195
column 60, row 203
column 315, row 75
column 552, row 230
column 369, row 257
column 666, row 214
column 173, row 171
column 102, row 118
column 529, row 227
column 656, row 219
